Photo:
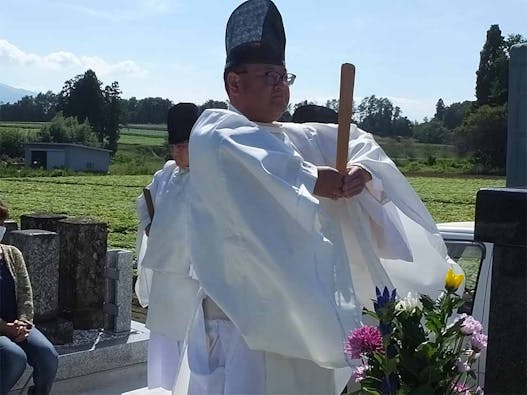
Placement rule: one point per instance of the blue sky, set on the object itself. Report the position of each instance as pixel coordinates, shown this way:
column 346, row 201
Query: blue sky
column 412, row 52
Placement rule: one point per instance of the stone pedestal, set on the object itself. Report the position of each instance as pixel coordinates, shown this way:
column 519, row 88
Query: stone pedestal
column 40, row 249
column 81, row 271
column 501, row 218
column 46, row 221
column 10, row 225
column 118, row 293
column 58, row 331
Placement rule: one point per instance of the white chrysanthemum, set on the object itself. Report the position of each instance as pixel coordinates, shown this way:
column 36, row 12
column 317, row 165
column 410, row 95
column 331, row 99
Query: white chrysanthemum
column 408, row 303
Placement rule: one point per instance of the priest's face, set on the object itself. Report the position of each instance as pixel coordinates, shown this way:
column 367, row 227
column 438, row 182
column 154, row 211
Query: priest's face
column 179, row 152
column 259, row 91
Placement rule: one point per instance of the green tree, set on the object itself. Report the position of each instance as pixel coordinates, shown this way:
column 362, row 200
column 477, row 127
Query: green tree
column 455, row 113
column 67, row 130
column 492, row 74
column 484, row 136
column 12, row 144
column 212, row 104
column 151, row 110
column 333, row 104
column 440, row 110
column 82, row 97
column 432, row 132
column 39, row 108
column 378, row 115
column 112, row 115
column 128, row 110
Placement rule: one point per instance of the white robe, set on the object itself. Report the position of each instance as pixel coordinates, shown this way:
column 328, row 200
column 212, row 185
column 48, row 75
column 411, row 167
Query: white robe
column 290, row 270
column 144, row 275
column 162, row 277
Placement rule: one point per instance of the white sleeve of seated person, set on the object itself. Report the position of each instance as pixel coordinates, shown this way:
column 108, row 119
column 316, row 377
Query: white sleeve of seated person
column 257, row 246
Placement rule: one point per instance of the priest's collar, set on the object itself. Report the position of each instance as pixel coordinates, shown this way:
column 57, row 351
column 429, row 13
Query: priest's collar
column 274, row 124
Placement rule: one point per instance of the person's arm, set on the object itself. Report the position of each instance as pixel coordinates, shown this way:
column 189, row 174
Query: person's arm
column 24, row 295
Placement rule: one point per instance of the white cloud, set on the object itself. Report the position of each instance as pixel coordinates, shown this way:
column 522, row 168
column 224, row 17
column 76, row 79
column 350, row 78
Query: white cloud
column 64, row 60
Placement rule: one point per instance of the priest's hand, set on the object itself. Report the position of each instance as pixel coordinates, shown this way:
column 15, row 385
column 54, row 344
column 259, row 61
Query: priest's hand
column 354, row 182
column 329, row 183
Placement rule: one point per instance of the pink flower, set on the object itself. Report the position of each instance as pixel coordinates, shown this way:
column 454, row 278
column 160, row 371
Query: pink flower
column 478, row 341
column 469, row 325
column 360, row 373
column 461, row 389
column 363, row 340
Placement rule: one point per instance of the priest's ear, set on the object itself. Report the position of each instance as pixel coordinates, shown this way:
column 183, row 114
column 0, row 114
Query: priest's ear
column 232, row 83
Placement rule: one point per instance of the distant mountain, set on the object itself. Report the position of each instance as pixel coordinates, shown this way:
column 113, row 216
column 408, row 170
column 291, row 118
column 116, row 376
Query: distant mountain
column 8, row 94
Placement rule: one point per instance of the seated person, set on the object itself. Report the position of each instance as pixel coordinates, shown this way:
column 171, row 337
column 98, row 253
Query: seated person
column 20, row 341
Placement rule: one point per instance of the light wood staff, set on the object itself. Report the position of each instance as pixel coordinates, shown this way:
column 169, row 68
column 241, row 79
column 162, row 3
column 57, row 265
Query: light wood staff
column 347, row 84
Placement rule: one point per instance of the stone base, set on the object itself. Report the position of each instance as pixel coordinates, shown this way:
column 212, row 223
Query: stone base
column 58, row 331
column 94, row 357
column 88, row 318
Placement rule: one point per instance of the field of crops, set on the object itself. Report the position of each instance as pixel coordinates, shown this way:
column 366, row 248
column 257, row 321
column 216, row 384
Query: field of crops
column 112, row 198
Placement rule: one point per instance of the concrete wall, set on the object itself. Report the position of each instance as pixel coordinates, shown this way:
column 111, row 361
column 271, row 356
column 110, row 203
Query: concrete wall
column 70, row 156
column 80, row 158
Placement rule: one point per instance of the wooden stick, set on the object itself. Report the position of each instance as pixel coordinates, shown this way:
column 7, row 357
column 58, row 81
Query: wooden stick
column 149, row 202
column 347, row 83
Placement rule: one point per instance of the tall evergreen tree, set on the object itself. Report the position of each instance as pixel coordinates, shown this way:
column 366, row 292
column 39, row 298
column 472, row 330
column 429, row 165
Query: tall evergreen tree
column 492, row 74
column 82, row 97
column 112, row 114
column 440, row 110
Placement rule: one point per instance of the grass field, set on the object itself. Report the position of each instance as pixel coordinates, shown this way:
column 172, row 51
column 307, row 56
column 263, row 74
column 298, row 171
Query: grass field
column 112, row 198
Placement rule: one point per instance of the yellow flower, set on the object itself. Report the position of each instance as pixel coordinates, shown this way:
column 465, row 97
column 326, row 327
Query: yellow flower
column 453, row 281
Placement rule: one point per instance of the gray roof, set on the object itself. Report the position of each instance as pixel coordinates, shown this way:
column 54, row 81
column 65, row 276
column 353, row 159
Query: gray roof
column 64, row 145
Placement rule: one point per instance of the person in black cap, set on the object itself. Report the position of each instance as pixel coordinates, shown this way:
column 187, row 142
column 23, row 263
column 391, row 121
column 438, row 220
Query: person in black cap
column 163, row 282
column 286, row 249
column 314, row 113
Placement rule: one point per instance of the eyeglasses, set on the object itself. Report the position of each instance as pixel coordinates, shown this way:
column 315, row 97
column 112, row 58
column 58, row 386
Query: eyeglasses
column 273, row 78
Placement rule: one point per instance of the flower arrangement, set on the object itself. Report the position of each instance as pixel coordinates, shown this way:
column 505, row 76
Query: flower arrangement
column 415, row 349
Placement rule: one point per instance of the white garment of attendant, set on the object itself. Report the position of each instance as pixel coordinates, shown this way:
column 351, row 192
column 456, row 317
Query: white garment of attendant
column 144, row 276
column 166, row 293
column 293, row 271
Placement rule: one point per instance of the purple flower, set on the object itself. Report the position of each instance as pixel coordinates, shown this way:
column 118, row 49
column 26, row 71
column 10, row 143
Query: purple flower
column 478, row 341
column 469, row 325
column 462, row 366
column 360, row 373
column 383, row 298
column 363, row 340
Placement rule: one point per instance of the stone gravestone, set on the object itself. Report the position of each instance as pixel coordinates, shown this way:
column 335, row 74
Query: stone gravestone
column 118, row 292
column 501, row 218
column 46, row 221
column 82, row 264
column 40, row 249
column 517, row 118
